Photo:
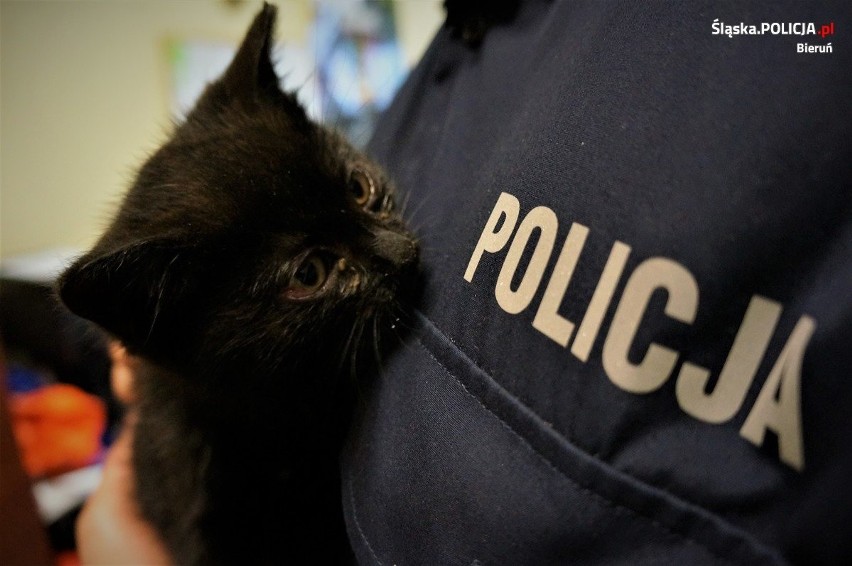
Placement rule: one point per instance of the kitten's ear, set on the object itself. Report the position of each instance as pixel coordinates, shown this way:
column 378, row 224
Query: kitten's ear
column 137, row 293
column 251, row 72
column 250, row 77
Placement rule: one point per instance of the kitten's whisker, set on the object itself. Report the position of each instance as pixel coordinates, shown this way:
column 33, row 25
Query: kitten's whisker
column 426, row 249
column 403, row 206
column 355, row 347
column 345, row 351
column 421, row 229
column 413, row 214
column 408, row 345
column 376, row 348
column 162, row 290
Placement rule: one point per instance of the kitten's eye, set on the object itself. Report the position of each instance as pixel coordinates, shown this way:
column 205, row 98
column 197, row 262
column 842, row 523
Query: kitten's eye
column 362, row 188
column 308, row 278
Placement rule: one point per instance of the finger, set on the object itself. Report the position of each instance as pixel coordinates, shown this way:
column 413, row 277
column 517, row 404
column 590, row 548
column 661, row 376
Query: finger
column 122, row 372
column 110, row 528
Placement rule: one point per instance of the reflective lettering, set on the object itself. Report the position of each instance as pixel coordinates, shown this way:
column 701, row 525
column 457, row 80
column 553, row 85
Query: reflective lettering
column 778, row 405
column 547, row 319
column 492, row 240
column 681, row 305
column 750, row 343
column 601, row 299
column 514, row 301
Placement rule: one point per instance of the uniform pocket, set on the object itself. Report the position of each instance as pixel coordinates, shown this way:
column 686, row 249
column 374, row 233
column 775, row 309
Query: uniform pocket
column 444, row 466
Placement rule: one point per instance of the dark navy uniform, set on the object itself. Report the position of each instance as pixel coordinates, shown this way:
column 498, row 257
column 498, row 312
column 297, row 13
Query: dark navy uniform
column 634, row 341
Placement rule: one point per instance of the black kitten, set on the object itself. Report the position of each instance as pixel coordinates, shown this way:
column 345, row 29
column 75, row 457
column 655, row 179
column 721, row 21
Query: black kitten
column 248, row 260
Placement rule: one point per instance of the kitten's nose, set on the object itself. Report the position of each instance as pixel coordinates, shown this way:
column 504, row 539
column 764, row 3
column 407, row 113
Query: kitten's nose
column 398, row 249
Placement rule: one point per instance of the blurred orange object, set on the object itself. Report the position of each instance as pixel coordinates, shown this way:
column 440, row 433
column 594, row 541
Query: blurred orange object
column 58, row 428
column 67, row 558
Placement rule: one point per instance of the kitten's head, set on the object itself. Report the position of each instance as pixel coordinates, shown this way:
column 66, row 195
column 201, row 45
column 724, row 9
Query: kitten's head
column 253, row 236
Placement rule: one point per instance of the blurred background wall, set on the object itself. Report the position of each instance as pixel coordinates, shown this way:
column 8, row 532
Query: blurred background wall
column 86, row 93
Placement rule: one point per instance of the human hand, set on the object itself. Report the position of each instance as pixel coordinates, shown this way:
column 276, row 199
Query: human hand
column 110, row 528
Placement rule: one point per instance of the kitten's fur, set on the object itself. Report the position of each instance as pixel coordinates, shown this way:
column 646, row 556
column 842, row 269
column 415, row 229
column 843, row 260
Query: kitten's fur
column 210, row 272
